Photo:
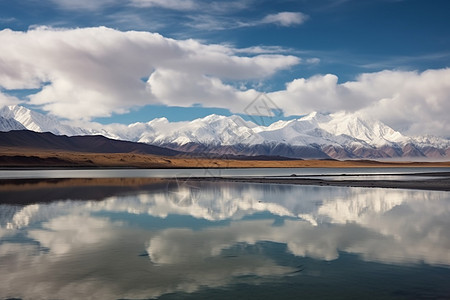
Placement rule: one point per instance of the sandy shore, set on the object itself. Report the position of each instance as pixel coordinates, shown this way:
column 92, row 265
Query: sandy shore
column 12, row 158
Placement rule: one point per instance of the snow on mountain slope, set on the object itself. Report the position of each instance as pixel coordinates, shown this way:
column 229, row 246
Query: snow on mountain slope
column 10, row 124
column 315, row 128
column 302, row 132
column 38, row 122
column 339, row 135
column 372, row 132
column 334, row 129
column 213, row 129
column 428, row 140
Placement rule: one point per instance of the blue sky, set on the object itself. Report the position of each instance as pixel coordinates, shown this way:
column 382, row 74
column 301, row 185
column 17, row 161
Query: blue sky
column 370, row 56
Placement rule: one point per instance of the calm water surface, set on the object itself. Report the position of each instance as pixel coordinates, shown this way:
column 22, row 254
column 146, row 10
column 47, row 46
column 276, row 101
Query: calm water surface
column 109, row 173
column 217, row 240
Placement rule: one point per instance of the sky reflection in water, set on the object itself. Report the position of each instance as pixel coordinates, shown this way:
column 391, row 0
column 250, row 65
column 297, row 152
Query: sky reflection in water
column 195, row 237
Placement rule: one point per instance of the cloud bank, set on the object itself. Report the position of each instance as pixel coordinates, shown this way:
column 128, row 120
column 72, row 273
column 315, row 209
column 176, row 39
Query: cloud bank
column 409, row 101
column 95, row 72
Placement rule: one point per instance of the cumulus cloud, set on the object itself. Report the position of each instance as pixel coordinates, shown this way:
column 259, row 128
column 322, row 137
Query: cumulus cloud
column 8, row 100
column 285, row 18
column 93, row 72
column 412, row 102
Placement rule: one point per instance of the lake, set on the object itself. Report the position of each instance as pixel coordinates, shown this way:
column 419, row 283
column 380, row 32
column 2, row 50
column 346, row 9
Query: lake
column 217, row 240
column 202, row 172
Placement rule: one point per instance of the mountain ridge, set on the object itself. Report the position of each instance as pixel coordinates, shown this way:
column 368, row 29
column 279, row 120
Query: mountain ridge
column 338, row 136
column 86, row 143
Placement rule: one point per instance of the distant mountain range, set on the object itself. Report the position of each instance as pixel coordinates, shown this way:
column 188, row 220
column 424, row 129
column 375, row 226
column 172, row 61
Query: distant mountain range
column 338, row 136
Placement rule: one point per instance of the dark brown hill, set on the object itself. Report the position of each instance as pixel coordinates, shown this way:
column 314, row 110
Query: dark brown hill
column 88, row 143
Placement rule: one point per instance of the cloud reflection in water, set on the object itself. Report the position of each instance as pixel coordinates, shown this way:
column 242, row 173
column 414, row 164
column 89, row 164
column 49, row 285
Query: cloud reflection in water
column 72, row 248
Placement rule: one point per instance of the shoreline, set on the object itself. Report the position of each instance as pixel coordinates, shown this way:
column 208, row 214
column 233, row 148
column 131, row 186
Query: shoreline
column 190, row 163
column 441, row 184
column 20, row 159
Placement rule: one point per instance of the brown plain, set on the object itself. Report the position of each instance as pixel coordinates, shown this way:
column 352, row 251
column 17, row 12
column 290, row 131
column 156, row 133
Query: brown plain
column 15, row 157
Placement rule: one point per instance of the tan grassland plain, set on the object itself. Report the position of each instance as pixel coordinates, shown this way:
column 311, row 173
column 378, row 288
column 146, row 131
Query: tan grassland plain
column 12, row 157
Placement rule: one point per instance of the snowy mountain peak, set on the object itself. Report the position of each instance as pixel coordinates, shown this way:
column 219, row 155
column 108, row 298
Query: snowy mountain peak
column 370, row 131
column 431, row 140
column 30, row 119
column 38, row 122
column 338, row 135
column 316, row 117
column 213, row 118
column 10, row 124
column 162, row 120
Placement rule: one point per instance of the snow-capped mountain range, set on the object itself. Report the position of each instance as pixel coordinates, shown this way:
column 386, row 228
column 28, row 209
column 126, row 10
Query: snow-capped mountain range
column 27, row 119
column 340, row 135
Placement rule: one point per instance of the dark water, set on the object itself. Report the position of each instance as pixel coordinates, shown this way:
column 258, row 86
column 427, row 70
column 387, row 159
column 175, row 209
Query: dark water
column 226, row 240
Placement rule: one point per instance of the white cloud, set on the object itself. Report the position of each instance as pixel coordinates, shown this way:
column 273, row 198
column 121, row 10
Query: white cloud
column 416, row 102
column 412, row 102
column 184, row 89
column 194, row 5
column 285, row 18
column 169, row 4
column 228, row 6
column 263, row 50
column 180, row 5
column 313, row 60
column 7, row 20
column 92, row 72
column 83, row 4
column 209, row 22
column 8, row 100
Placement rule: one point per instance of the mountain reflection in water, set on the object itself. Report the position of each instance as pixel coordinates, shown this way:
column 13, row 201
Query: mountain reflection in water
column 164, row 238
